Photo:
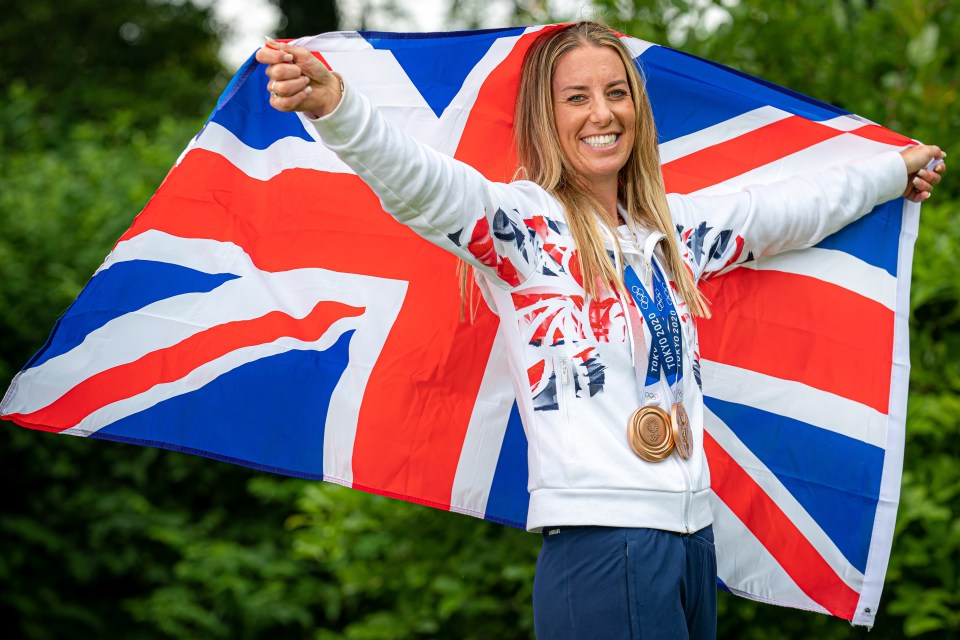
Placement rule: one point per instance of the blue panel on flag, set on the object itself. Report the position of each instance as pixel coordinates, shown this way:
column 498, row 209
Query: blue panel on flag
column 438, row 63
column 836, row 479
column 247, row 114
column 508, row 499
column 249, row 66
column 689, row 93
column 875, row 238
column 124, row 287
column 268, row 414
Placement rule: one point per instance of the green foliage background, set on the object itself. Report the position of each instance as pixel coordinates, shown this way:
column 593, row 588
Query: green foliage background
column 106, row 540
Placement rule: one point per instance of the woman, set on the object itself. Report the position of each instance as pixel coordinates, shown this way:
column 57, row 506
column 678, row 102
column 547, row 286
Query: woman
column 597, row 294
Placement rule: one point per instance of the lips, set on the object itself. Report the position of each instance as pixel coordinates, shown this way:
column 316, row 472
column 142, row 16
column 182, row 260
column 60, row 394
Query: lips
column 599, row 142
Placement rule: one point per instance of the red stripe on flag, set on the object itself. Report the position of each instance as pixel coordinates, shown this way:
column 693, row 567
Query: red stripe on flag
column 421, row 393
column 744, row 153
column 777, row 533
column 423, row 460
column 175, row 362
column 487, row 140
column 880, row 134
column 799, row 328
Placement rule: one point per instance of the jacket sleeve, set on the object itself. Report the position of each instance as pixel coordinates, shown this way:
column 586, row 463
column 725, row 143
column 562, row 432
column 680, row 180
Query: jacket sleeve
column 442, row 199
column 722, row 231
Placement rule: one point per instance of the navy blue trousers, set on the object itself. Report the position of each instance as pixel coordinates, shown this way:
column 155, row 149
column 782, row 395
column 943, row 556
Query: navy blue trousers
column 608, row 583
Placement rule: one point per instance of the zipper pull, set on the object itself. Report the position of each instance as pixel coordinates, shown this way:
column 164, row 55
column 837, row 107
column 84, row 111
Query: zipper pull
column 563, row 371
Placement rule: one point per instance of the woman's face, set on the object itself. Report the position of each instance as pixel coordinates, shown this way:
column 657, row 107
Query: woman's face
column 594, row 113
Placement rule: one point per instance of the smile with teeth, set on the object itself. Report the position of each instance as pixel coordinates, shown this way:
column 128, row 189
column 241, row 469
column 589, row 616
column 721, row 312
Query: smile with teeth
column 599, row 142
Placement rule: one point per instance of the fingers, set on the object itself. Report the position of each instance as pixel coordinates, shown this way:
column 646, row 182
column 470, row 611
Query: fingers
column 298, row 80
column 285, row 78
column 307, row 62
column 921, row 156
column 281, row 64
column 936, row 166
column 284, row 71
column 925, row 168
column 294, row 102
column 282, row 60
column 916, row 191
column 921, row 185
column 270, row 55
column 931, row 177
column 287, row 88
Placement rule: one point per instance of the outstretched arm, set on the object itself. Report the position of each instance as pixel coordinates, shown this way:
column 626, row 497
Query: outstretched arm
column 445, row 201
column 724, row 230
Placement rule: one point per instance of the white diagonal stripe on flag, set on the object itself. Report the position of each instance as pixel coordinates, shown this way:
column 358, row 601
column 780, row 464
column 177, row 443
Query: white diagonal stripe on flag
column 836, row 267
column 484, row 437
column 794, row 400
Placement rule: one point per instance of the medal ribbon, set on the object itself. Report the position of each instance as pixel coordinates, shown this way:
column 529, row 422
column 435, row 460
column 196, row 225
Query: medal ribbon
column 666, row 338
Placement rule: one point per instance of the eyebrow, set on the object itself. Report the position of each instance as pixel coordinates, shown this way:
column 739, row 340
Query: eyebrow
column 582, row 87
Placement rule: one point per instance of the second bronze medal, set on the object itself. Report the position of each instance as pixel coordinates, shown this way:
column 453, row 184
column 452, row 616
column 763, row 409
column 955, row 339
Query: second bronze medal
column 649, row 433
column 682, row 436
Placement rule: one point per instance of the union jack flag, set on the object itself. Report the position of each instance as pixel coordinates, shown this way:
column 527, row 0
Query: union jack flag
column 264, row 310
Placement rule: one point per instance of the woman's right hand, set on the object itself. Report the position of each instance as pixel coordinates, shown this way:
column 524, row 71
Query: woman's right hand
column 298, row 80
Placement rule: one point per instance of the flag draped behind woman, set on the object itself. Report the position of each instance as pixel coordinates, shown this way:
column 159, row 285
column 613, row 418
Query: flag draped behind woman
column 264, row 310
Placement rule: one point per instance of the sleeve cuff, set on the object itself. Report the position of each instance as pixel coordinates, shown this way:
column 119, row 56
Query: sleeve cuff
column 335, row 127
column 893, row 176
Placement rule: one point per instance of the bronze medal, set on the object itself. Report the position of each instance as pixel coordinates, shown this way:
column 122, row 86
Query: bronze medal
column 682, row 436
column 649, row 433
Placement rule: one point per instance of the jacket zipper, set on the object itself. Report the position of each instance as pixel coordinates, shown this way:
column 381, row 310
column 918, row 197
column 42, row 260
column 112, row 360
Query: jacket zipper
column 562, row 395
column 687, row 494
column 564, row 398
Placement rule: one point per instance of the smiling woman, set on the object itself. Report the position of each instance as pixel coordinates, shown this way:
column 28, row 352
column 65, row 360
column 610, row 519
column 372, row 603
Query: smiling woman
column 597, row 298
column 595, row 118
column 593, row 84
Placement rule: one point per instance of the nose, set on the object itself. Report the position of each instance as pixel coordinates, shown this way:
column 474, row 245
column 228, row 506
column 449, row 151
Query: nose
column 601, row 114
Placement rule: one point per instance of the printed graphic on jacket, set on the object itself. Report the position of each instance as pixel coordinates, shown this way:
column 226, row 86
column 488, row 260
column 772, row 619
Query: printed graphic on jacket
column 506, row 232
column 695, row 239
column 549, row 316
column 588, row 374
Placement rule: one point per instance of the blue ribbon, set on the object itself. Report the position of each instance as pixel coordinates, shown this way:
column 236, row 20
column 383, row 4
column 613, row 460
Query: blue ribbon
column 661, row 316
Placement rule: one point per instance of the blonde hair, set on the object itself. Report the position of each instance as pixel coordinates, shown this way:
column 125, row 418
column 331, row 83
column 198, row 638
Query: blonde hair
column 640, row 191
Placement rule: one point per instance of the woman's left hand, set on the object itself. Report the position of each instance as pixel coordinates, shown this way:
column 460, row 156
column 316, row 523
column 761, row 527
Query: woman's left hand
column 298, row 80
column 921, row 176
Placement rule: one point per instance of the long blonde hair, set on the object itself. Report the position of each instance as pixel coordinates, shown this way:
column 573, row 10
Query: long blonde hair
column 640, row 191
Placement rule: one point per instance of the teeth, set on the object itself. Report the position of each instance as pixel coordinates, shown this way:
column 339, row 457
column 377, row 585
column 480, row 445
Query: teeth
column 601, row 141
